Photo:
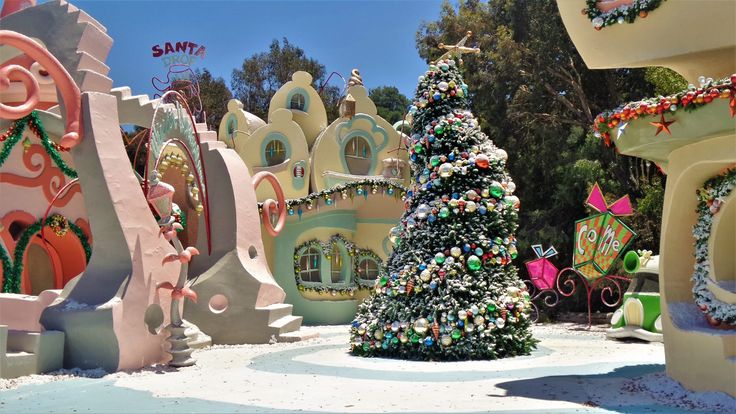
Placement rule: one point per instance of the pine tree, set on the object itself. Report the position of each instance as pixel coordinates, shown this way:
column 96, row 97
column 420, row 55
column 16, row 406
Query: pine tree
column 450, row 290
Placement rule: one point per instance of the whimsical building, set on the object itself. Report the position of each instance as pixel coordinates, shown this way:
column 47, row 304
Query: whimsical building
column 88, row 281
column 343, row 183
column 692, row 137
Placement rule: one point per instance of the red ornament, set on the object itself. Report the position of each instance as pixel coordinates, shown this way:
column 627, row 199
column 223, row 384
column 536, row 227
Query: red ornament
column 712, row 321
column 409, row 286
column 436, row 330
column 482, row 161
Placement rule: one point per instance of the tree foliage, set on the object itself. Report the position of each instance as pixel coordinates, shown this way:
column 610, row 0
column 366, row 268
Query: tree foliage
column 391, row 103
column 214, row 94
column 262, row 74
column 666, row 81
column 537, row 99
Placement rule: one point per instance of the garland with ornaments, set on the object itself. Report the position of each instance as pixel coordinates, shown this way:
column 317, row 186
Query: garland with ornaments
column 621, row 14
column 12, row 271
column 348, row 190
column 711, row 198
column 691, row 99
column 14, row 134
column 325, row 248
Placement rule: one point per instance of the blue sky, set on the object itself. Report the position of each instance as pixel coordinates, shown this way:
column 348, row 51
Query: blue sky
column 377, row 37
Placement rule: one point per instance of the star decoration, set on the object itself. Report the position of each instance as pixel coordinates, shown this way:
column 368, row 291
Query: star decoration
column 662, row 125
column 621, row 129
column 458, row 49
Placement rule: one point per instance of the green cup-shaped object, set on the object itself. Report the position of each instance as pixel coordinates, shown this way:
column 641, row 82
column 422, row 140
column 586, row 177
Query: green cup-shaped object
column 631, row 262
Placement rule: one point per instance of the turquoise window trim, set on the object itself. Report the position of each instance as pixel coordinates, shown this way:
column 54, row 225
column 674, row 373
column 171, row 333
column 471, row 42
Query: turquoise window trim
column 387, row 246
column 274, row 136
column 359, row 133
column 375, row 128
column 325, row 267
column 298, row 182
column 345, row 267
column 232, row 126
column 291, row 94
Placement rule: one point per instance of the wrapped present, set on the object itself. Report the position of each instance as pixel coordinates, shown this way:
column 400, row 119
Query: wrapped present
column 601, row 238
column 542, row 271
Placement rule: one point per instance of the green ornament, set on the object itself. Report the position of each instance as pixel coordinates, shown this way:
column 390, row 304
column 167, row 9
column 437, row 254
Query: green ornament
column 415, row 339
column 474, row 263
column 444, row 212
column 434, row 160
column 418, row 148
column 439, row 258
column 366, row 346
column 384, row 280
column 491, row 307
column 496, row 189
column 456, row 334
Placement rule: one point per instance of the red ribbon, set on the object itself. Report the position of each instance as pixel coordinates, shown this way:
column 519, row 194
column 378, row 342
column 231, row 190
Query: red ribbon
column 176, row 293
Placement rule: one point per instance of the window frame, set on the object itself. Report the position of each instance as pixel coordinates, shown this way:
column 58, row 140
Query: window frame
column 364, row 258
column 309, row 251
column 281, row 149
column 368, row 158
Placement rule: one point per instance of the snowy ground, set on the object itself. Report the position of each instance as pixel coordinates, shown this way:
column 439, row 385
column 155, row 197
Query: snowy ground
column 573, row 370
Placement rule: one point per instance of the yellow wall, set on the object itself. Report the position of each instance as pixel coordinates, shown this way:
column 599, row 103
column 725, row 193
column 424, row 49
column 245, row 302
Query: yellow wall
column 251, row 150
column 328, row 155
column 314, row 119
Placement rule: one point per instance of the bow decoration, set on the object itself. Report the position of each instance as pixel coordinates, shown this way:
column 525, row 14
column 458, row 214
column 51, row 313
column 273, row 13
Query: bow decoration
column 546, row 254
column 178, row 293
column 620, row 207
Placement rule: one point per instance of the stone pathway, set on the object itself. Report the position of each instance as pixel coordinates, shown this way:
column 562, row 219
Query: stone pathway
column 573, row 370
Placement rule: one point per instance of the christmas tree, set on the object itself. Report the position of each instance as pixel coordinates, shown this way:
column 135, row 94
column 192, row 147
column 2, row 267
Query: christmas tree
column 450, row 291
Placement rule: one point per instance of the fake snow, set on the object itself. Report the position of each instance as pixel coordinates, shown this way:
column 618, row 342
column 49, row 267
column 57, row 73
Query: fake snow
column 665, row 390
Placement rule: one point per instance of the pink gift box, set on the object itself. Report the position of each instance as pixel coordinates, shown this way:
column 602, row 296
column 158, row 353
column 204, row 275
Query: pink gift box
column 542, row 273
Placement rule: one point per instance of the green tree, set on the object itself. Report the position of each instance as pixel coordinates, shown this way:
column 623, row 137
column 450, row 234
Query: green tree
column 666, row 81
column 214, row 94
column 262, row 74
column 537, row 99
column 451, row 292
column 391, row 103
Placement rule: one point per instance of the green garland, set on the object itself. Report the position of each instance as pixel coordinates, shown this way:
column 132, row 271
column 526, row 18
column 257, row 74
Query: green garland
column 354, row 284
column 16, row 132
column 348, row 190
column 34, row 122
column 621, row 14
column 12, row 274
column 7, row 265
column 711, row 196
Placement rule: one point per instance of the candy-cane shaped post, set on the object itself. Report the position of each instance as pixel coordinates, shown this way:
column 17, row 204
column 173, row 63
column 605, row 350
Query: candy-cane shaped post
column 69, row 91
column 270, row 204
column 22, row 74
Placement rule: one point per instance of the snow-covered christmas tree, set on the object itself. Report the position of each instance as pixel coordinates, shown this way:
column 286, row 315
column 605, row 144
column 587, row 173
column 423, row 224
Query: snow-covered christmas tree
column 450, row 292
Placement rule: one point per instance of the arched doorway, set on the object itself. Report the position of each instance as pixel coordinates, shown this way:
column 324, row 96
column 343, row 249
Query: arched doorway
column 52, row 262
